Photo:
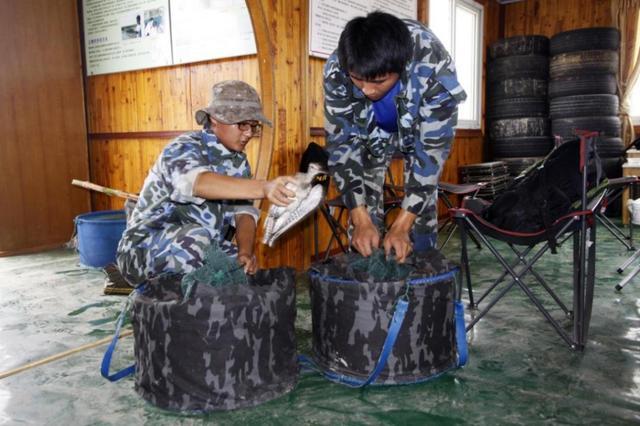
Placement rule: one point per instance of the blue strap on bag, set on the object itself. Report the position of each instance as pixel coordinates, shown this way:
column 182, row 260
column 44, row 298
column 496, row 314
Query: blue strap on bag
column 106, row 359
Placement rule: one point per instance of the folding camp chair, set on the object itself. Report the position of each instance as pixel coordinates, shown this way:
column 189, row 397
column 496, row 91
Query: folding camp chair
column 631, row 185
column 631, row 275
column 615, row 188
column 579, row 223
column 446, row 191
column 632, row 180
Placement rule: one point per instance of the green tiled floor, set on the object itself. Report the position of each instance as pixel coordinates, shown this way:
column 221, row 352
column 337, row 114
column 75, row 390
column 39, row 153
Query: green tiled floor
column 519, row 371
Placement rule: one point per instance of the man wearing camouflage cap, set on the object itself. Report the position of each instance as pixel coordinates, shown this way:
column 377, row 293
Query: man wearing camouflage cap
column 389, row 87
column 198, row 188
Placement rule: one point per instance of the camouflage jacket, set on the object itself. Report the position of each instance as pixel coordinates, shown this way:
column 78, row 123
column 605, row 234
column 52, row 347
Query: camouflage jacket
column 427, row 113
column 166, row 196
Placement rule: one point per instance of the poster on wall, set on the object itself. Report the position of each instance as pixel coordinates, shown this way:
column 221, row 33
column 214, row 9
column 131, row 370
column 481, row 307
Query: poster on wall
column 122, row 35
column 125, row 35
column 327, row 18
column 197, row 25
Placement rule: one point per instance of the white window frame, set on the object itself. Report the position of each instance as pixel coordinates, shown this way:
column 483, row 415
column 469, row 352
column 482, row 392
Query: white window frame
column 474, row 94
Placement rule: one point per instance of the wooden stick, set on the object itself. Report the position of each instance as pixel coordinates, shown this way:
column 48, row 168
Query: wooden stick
column 104, row 189
column 61, row 355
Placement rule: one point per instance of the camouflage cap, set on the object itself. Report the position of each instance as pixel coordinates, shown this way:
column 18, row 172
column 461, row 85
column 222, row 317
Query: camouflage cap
column 233, row 101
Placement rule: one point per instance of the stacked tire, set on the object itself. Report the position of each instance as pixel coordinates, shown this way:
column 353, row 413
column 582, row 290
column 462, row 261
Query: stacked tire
column 517, row 107
column 583, row 89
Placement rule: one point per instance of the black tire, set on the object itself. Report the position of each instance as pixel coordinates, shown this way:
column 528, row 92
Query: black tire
column 610, row 147
column 565, row 127
column 531, row 66
column 520, row 45
column 597, row 38
column 585, row 62
column 518, row 88
column 528, row 146
column 517, row 127
column 517, row 165
column 583, row 106
column 582, row 84
column 517, row 107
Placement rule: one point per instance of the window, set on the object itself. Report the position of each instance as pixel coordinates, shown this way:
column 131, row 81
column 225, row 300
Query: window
column 458, row 25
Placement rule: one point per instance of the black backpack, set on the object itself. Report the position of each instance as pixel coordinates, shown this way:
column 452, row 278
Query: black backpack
column 546, row 191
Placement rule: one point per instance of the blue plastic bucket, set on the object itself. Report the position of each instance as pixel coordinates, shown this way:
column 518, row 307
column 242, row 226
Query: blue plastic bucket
column 98, row 236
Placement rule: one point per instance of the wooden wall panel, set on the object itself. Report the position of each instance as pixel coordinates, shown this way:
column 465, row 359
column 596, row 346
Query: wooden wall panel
column 288, row 34
column 316, row 93
column 161, row 98
column 121, row 164
column 549, row 17
column 145, row 100
column 156, row 100
column 43, row 145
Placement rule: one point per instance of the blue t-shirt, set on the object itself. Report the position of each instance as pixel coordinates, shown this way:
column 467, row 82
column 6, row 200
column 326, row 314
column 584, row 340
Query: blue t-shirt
column 385, row 110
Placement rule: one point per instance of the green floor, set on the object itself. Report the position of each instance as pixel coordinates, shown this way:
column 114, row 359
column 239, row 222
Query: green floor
column 519, row 370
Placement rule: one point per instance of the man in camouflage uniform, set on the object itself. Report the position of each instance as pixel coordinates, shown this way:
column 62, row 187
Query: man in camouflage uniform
column 390, row 86
column 198, row 188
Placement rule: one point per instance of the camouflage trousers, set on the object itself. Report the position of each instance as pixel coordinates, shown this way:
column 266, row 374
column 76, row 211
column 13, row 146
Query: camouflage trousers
column 176, row 248
column 377, row 168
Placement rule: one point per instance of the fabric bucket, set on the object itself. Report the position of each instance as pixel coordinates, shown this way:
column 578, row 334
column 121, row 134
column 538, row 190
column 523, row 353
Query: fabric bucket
column 351, row 316
column 98, row 236
column 223, row 348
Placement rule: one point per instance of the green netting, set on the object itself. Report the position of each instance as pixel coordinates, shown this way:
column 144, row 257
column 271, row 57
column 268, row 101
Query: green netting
column 219, row 269
column 381, row 268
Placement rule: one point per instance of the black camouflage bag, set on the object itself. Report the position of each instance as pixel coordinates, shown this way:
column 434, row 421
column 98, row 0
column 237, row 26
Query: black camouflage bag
column 223, row 348
column 379, row 329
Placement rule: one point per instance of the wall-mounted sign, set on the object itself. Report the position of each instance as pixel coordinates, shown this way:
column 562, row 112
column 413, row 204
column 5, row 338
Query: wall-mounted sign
column 327, row 18
column 124, row 35
column 204, row 30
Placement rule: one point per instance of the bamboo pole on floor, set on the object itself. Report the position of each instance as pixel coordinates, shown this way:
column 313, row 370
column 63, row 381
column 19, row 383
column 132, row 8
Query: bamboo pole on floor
column 61, row 355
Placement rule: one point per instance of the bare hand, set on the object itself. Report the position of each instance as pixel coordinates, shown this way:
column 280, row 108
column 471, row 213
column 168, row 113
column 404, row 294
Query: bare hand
column 399, row 242
column 365, row 234
column 365, row 238
column 277, row 192
column 249, row 262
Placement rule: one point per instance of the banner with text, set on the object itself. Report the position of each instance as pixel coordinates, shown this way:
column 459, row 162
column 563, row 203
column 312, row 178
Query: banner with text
column 124, row 35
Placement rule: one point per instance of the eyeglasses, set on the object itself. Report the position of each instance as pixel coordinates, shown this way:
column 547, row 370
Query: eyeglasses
column 255, row 126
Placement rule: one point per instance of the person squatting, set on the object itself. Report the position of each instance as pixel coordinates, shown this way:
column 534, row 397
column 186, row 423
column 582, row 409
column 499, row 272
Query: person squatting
column 198, row 188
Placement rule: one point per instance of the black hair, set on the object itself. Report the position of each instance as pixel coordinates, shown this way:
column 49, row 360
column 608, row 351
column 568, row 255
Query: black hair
column 206, row 126
column 374, row 45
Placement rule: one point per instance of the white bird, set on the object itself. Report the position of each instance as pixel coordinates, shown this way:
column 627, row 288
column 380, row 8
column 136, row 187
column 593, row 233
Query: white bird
column 308, row 197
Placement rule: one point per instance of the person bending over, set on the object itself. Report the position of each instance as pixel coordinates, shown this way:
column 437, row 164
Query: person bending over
column 389, row 87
